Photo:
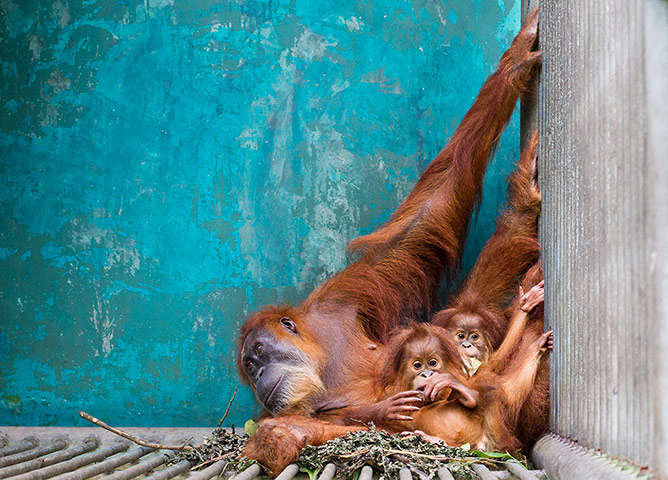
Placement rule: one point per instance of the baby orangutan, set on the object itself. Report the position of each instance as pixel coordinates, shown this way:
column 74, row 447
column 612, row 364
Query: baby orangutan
column 473, row 343
column 481, row 409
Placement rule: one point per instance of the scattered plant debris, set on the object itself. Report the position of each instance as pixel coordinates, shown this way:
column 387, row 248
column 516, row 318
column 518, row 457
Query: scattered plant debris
column 221, row 445
column 387, row 454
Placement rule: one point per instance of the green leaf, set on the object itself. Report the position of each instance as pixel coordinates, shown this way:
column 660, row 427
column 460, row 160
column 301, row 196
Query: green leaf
column 311, row 473
column 250, row 427
column 497, row 455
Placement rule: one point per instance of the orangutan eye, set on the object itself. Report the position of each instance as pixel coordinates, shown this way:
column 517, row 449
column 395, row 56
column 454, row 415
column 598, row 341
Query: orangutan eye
column 249, row 365
column 432, row 362
column 474, row 336
column 288, row 324
column 417, row 365
column 258, row 349
column 460, row 336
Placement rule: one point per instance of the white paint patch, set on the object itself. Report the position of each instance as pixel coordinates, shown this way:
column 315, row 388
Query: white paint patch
column 353, row 24
column 107, row 334
column 36, row 46
column 311, row 46
column 386, row 84
column 205, row 323
column 58, row 81
column 126, row 255
column 63, row 13
column 103, row 325
column 97, row 311
column 248, row 138
column 339, row 87
column 85, row 235
column 334, row 215
column 121, row 251
column 439, row 10
column 160, row 3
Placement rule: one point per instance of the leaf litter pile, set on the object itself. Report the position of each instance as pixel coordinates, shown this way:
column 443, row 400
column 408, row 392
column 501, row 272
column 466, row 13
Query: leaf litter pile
column 387, row 454
column 221, row 445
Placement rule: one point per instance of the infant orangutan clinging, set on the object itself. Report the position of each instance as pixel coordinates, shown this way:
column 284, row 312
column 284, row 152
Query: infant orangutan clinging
column 482, row 409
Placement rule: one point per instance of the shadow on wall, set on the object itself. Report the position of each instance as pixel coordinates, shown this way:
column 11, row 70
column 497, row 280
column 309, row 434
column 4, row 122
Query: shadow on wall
column 168, row 167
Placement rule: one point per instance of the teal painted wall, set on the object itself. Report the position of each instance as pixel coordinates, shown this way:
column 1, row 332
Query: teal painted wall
column 169, row 166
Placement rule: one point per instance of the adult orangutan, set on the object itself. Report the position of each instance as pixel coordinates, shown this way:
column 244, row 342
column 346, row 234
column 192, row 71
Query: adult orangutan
column 294, row 356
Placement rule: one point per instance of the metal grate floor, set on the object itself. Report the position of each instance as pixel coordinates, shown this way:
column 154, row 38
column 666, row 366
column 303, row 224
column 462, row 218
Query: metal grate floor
column 32, row 453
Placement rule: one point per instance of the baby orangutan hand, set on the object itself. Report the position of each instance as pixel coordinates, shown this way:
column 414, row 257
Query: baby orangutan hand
column 533, row 297
column 397, row 407
column 545, row 342
column 441, row 381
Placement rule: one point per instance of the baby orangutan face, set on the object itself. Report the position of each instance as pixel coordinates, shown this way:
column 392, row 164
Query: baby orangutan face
column 467, row 332
column 428, row 363
column 423, row 359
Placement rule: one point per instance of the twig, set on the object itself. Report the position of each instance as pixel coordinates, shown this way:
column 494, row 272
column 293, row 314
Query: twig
column 352, row 454
column 431, row 457
column 414, row 454
column 143, row 443
column 227, row 410
column 212, row 460
column 132, row 438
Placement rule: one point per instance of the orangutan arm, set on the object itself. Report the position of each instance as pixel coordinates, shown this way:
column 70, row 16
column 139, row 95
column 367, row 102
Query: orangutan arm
column 523, row 306
column 279, row 440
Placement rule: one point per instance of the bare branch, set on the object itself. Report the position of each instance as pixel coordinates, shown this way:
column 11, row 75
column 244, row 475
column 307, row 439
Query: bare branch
column 143, row 443
column 227, row 410
column 130, row 437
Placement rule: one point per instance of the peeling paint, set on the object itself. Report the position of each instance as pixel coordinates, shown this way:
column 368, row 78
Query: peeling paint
column 169, row 166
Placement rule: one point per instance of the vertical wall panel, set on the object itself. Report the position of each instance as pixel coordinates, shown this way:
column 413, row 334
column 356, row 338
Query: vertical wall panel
column 656, row 74
column 603, row 153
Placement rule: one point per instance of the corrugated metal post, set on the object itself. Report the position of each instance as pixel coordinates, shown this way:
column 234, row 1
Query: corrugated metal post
column 603, row 123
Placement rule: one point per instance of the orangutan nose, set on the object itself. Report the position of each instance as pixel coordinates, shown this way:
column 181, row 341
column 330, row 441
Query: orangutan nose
column 426, row 374
column 467, row 344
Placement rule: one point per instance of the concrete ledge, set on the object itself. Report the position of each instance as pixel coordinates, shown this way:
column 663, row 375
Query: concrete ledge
column 564, row 459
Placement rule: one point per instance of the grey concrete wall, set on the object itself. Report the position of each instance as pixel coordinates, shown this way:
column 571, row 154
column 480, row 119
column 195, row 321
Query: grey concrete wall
column 603, row 123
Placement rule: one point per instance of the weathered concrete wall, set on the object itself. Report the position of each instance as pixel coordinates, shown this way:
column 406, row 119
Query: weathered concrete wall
column 603, row 113
column 168, row 166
